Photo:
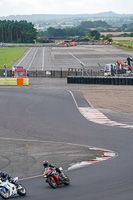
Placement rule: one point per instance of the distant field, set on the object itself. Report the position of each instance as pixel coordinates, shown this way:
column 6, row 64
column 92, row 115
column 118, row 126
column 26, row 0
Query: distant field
column 9, row 55
column 113, row 33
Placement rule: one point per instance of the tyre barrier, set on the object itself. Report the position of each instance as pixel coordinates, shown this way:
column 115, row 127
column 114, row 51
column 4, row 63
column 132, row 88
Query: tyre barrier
column 100, row 80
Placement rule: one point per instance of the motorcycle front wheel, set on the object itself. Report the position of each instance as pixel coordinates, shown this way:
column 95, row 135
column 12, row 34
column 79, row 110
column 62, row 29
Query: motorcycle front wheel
column 66, row 181
column 4, row 195
column 21, row 190
column 52, row 183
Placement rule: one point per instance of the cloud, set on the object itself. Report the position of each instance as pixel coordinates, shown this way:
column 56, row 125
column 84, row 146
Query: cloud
column 15, row 7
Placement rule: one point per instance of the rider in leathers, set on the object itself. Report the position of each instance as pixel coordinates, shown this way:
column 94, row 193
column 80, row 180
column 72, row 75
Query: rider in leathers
column 46, row 164
column 4, row 176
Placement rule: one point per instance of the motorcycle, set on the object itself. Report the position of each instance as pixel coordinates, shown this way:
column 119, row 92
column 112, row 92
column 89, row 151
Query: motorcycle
column 53, row 178
column 11, row 188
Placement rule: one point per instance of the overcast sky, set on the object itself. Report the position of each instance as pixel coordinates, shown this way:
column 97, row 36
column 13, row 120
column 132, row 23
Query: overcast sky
column 28, row 7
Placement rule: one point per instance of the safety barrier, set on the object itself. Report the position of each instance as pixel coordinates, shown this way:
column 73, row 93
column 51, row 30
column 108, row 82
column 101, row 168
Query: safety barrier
column 100, row 80
column 14, row 81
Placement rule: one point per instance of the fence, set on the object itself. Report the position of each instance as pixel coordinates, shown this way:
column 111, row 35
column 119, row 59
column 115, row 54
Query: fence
column 53, row 73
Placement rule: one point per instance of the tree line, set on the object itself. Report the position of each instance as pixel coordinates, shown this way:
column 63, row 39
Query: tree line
column 69, row 32
column 14, row 31
column 127, row 27
column 83, row 29
column 94, row 24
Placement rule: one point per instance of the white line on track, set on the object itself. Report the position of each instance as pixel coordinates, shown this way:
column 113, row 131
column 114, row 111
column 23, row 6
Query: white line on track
column 76, row 58
column 74, row 99
column 31, row 177
column 94, row 115
column 45, row 141
column 23, row 57
column 32, row 59
column 43, row 59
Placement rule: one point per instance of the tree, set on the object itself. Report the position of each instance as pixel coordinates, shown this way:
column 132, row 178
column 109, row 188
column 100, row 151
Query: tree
column 95, row 35
column 107, row 37
column 14, row 31
column 94, row 24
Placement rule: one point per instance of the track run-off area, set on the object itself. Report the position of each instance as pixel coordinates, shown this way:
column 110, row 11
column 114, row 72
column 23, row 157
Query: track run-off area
column 42, row 121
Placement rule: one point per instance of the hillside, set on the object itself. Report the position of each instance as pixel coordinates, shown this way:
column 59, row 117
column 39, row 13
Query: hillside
column 43, row 21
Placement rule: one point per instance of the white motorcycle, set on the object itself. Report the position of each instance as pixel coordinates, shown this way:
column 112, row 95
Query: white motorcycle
column 9, row 189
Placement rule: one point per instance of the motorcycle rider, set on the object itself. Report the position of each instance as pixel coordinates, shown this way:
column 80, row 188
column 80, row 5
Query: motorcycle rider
column 46, row 165
column 4, row 176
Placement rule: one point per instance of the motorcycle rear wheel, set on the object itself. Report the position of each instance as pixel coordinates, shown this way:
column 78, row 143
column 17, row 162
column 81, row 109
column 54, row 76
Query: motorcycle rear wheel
column 53, row 183
column 22, row 190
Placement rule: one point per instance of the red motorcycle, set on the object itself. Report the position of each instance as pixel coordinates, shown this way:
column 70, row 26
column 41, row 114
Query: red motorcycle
column 53, row 178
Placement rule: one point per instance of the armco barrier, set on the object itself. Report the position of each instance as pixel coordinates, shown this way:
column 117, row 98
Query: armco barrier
column 100, row 80
column 14, row 81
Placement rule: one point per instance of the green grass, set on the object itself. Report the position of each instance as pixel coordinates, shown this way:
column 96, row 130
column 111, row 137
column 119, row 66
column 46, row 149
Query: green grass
column 10, row 55
column 123, row 45
column 127, row 42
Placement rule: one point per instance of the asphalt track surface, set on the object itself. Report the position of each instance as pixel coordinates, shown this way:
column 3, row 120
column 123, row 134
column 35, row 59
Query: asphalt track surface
column 45, row 111
column 57, row 58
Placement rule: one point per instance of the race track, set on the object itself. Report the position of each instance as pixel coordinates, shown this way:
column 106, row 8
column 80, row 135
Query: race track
column 57, row 58
column 41, row 122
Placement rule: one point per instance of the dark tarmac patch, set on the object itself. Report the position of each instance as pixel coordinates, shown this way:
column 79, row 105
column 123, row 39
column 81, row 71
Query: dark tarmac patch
column 24, row 158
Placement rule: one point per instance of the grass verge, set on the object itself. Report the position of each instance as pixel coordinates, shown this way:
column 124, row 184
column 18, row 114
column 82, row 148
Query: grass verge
column 123, row 46
column 10, row 55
